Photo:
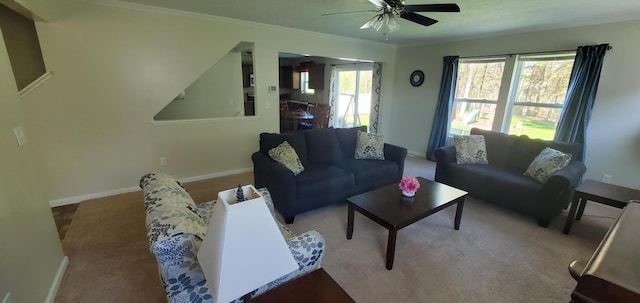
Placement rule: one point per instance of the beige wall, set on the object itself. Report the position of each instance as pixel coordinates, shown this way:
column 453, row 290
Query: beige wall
column 42, row 10
column 117, row 66
column 217, row 93
column 30, row 254
column 613, row 139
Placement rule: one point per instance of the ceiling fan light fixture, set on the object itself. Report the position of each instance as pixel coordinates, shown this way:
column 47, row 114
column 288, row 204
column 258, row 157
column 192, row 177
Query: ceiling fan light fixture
column 389, row 13
column 387, row 20
column 379, row 22
column 393, row 24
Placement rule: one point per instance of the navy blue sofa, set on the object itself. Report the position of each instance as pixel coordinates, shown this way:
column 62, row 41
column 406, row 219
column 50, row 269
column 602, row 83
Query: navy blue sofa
column 502, row 181
column 331, row 173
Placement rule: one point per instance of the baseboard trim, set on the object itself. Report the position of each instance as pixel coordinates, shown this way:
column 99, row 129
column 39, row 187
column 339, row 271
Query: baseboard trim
column 55, row 285
column 216, row 175
column 78, row 199
column 416, row 154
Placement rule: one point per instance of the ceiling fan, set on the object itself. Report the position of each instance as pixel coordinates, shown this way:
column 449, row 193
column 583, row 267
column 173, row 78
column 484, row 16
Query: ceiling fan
column 389, row 12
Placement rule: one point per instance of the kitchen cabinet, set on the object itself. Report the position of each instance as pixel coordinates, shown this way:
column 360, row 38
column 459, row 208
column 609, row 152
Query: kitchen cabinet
column 316, row 75
column 289, row 77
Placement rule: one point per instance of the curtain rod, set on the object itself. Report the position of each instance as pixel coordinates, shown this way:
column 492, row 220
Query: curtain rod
column 530, row 53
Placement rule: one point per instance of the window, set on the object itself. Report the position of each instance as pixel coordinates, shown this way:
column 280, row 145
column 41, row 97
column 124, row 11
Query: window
column 477, row 91
column 304, row 84
column 516, row 95
column 354, row 96
column 542, row 84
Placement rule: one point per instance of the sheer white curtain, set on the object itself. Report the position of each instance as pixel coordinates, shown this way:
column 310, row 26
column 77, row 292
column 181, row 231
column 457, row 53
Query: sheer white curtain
column 375, row 97
column 333, row 96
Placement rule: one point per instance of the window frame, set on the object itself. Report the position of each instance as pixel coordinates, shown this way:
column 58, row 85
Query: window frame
column 357, row 69
column 304, row 84
column 490, row 59
column 511, row 77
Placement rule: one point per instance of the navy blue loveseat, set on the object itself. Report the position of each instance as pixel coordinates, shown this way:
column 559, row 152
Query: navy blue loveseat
column 503, row 182
column 331, row 173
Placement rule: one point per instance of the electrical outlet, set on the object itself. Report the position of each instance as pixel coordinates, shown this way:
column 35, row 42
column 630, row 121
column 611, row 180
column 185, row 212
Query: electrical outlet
column 7, row 298
column 163, row 161
column 606, row 178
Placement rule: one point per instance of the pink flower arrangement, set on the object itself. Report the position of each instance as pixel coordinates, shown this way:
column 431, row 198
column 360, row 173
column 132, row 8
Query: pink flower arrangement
column 409, row 184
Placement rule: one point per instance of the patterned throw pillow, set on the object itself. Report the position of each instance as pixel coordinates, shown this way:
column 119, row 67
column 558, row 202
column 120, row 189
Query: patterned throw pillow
column 369, row 146
column 287, row 156
column 546, row 163
column 470, row 149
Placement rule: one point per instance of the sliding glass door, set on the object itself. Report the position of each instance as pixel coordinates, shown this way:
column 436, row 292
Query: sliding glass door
column 354, row 95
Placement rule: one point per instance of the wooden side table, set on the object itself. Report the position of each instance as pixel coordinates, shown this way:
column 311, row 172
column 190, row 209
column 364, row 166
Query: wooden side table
column 604, row 193
column 314, row 287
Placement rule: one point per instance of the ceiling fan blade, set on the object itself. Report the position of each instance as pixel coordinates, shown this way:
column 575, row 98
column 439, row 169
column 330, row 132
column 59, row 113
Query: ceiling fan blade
column 371, row 22
column 447, row 8
column 379, row 3
column 352, row 12
column 426, row 21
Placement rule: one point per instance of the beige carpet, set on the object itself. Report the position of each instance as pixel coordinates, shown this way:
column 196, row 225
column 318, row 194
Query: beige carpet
column 496, row 256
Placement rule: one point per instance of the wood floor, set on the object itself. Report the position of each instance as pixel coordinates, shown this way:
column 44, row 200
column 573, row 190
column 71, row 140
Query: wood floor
column 63, row 216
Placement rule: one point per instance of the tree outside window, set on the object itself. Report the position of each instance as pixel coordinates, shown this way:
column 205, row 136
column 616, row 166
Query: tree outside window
column 487, row 97
column 477, row 91
column 542, row 86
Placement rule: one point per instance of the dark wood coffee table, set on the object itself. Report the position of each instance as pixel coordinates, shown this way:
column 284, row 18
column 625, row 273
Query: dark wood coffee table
column 387, row 207
column 314, row 287
column 604, row 193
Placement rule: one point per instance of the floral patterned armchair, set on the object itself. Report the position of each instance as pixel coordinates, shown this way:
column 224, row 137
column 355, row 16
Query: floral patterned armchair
column 176, row 226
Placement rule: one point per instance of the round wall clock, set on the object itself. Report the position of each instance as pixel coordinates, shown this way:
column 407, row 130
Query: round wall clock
column 417, row 77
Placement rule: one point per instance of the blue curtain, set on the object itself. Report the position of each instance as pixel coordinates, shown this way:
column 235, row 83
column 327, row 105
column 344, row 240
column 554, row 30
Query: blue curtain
column 583, row 84
column 440, row 126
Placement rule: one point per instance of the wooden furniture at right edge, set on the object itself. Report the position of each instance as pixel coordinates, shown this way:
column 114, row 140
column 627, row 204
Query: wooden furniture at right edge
column 613, row 272
column 604, row 193
column 314, row 287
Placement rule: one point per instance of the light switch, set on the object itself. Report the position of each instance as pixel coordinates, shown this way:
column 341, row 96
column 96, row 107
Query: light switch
column 19, row 133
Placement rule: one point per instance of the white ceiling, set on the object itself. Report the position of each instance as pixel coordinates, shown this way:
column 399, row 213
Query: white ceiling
column 477, row 17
